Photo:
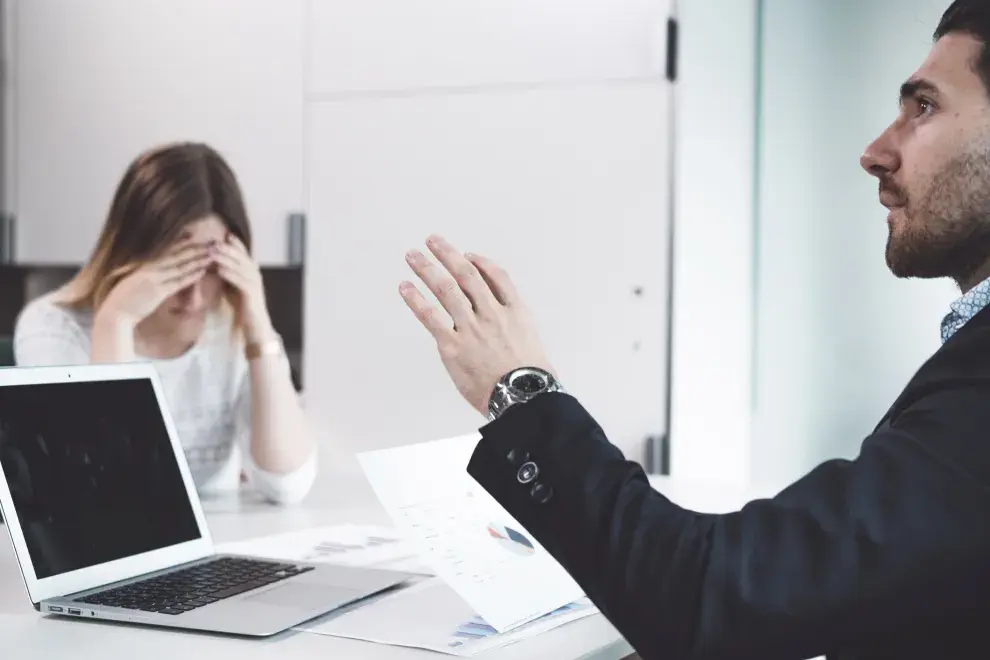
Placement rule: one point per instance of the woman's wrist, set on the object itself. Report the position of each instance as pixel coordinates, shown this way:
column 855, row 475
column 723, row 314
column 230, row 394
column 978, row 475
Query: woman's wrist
column 259, row 330
column 108, row 321
column 113, row 336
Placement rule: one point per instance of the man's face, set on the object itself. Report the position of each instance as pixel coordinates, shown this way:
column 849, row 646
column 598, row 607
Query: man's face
column 933, row 165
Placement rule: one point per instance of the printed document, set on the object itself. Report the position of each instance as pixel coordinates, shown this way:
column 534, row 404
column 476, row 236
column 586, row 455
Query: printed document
column 464, row 535
column 348, row 545
column 430, row 615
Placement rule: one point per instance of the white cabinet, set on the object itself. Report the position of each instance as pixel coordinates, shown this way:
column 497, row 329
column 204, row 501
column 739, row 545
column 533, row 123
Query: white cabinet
column 567, row 188
column 97, row 82
column 400, row 45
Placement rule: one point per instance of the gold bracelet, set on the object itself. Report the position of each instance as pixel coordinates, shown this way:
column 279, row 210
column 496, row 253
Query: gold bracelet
column 258, row 349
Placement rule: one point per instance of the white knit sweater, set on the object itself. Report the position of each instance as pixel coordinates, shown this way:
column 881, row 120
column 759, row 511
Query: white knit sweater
column 207, row 389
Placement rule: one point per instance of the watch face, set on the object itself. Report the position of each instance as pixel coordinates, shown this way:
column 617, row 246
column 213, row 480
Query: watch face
column 529, row 382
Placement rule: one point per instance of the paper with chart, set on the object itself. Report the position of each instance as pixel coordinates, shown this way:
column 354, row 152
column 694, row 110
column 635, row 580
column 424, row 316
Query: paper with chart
column 430, row 615
column 350, row 545
column 464, row 535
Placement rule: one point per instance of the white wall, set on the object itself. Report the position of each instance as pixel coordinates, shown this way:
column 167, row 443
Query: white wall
column 713, row 288
column 533, row 132
column 837, row 336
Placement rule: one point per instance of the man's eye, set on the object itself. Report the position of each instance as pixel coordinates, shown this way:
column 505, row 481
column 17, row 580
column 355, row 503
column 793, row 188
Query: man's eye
column 925, row 107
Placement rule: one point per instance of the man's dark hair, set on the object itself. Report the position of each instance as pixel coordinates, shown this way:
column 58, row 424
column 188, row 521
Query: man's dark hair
column 973, row 18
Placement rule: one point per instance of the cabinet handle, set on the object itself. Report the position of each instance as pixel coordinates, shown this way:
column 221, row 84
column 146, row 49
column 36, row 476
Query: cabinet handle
column 297, row 238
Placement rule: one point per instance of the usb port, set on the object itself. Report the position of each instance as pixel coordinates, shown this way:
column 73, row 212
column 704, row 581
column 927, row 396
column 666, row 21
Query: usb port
column 55, row 608
column 73, row 610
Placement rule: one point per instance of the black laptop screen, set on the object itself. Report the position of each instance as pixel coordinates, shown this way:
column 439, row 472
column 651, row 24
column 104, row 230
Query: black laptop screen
column 92, row 473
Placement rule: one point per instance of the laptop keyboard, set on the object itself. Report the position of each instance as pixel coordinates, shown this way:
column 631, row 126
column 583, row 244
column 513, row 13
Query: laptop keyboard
column 189, row 588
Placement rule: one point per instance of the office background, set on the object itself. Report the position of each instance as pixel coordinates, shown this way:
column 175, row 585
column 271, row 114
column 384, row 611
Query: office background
column 791, row 338
column 552, row 142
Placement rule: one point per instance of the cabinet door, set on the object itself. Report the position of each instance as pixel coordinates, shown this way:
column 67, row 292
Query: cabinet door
column 416, row 44
column 568, row 189
column 98, row 82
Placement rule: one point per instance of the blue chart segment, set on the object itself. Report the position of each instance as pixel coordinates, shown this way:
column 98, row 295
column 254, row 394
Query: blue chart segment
column 511, row 540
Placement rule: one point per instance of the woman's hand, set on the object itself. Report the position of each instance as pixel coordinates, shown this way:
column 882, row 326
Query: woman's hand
column 236, row 266
column 141, row 292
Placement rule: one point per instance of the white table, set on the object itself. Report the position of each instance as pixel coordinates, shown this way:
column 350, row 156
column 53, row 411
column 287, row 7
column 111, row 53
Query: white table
column 343, row 496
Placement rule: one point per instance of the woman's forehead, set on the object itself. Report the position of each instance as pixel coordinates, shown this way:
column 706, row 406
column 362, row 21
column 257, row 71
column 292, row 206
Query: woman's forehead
column 208, row 229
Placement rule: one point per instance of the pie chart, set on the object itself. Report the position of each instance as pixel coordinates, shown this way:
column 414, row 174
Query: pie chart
column 511, row 540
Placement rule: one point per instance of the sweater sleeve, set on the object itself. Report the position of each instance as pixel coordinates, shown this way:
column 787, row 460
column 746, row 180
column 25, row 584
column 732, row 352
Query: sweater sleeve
column 45, row 334
column 287, row 488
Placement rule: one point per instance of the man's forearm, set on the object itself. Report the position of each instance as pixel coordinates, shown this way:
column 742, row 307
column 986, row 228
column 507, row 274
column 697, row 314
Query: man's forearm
column 596, row 519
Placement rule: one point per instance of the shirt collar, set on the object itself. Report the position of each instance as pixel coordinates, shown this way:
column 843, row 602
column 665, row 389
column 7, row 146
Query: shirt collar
column 965, row 308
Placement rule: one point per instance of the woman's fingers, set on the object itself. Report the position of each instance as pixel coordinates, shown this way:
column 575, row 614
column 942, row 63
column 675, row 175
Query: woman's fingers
column 189, row 264
column 175, row 263
column 185, row 276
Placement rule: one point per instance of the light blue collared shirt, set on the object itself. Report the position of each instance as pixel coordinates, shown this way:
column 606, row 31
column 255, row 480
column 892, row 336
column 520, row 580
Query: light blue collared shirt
column 965, row 308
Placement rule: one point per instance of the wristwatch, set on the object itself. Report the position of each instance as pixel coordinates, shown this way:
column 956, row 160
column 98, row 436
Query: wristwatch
column 518, row 386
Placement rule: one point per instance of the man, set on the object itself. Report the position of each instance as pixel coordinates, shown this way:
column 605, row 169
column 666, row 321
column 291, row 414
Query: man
column 886, row 556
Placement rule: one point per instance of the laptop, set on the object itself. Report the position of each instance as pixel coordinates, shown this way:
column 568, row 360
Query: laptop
column 107, row 524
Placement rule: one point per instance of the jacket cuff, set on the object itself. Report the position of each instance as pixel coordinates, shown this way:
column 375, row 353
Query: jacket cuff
column 535, row 449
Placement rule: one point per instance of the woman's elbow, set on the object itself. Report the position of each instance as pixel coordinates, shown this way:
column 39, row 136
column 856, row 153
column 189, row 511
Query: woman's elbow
column 287, row 489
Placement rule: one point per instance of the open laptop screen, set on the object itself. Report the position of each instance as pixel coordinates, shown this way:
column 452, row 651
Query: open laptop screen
column 92, row 473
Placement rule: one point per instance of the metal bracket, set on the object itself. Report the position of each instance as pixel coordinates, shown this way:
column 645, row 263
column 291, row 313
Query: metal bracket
column 297, row 238
column 8, row 239
column 658, row 454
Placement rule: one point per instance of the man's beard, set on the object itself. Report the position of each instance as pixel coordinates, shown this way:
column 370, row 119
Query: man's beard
column 946, row 231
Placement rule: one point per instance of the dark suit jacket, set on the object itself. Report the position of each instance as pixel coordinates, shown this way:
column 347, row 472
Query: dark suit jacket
column 885, row 556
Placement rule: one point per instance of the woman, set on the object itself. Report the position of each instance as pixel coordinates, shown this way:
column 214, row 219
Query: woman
column 172, row 280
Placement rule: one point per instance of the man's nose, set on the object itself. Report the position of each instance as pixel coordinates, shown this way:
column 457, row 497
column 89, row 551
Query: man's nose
column 881, row 156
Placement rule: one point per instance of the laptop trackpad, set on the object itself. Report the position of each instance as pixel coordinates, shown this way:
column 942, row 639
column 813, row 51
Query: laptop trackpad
column 307, row 596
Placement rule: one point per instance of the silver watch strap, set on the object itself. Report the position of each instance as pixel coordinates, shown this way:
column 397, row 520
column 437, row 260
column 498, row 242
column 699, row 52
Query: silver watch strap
column 506, row 392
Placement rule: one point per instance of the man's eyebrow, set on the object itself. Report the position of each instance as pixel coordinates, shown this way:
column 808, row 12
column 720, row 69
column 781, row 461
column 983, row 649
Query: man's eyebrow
column 914, row 86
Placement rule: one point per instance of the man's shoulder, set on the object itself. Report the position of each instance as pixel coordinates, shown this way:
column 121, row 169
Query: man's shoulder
column 965, row 355
column 960, row 368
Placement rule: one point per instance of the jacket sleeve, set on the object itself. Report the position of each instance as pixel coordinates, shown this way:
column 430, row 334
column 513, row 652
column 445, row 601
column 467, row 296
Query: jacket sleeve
column 850, row 550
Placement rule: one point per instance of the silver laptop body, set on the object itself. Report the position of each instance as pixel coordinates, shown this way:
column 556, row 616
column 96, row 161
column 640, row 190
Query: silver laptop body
column 106, row 522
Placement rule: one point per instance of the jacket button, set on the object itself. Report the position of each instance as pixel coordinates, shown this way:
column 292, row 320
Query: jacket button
column 527, row 472
column 517, row 457
column 541, row 492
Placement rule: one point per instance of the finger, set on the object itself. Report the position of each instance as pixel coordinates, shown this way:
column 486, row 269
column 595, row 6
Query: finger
column 465, row 274
column 234, row 277
column 194, row 264
column 232, row 264
column 238, row 273
column 180, row 256
column 233, row 254
column 187, row 278
column 236, row 243
column 497, row 279
column 444, row 288
column 427, row 314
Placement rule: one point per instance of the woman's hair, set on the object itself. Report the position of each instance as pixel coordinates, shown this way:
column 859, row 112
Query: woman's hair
column 162, row 192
